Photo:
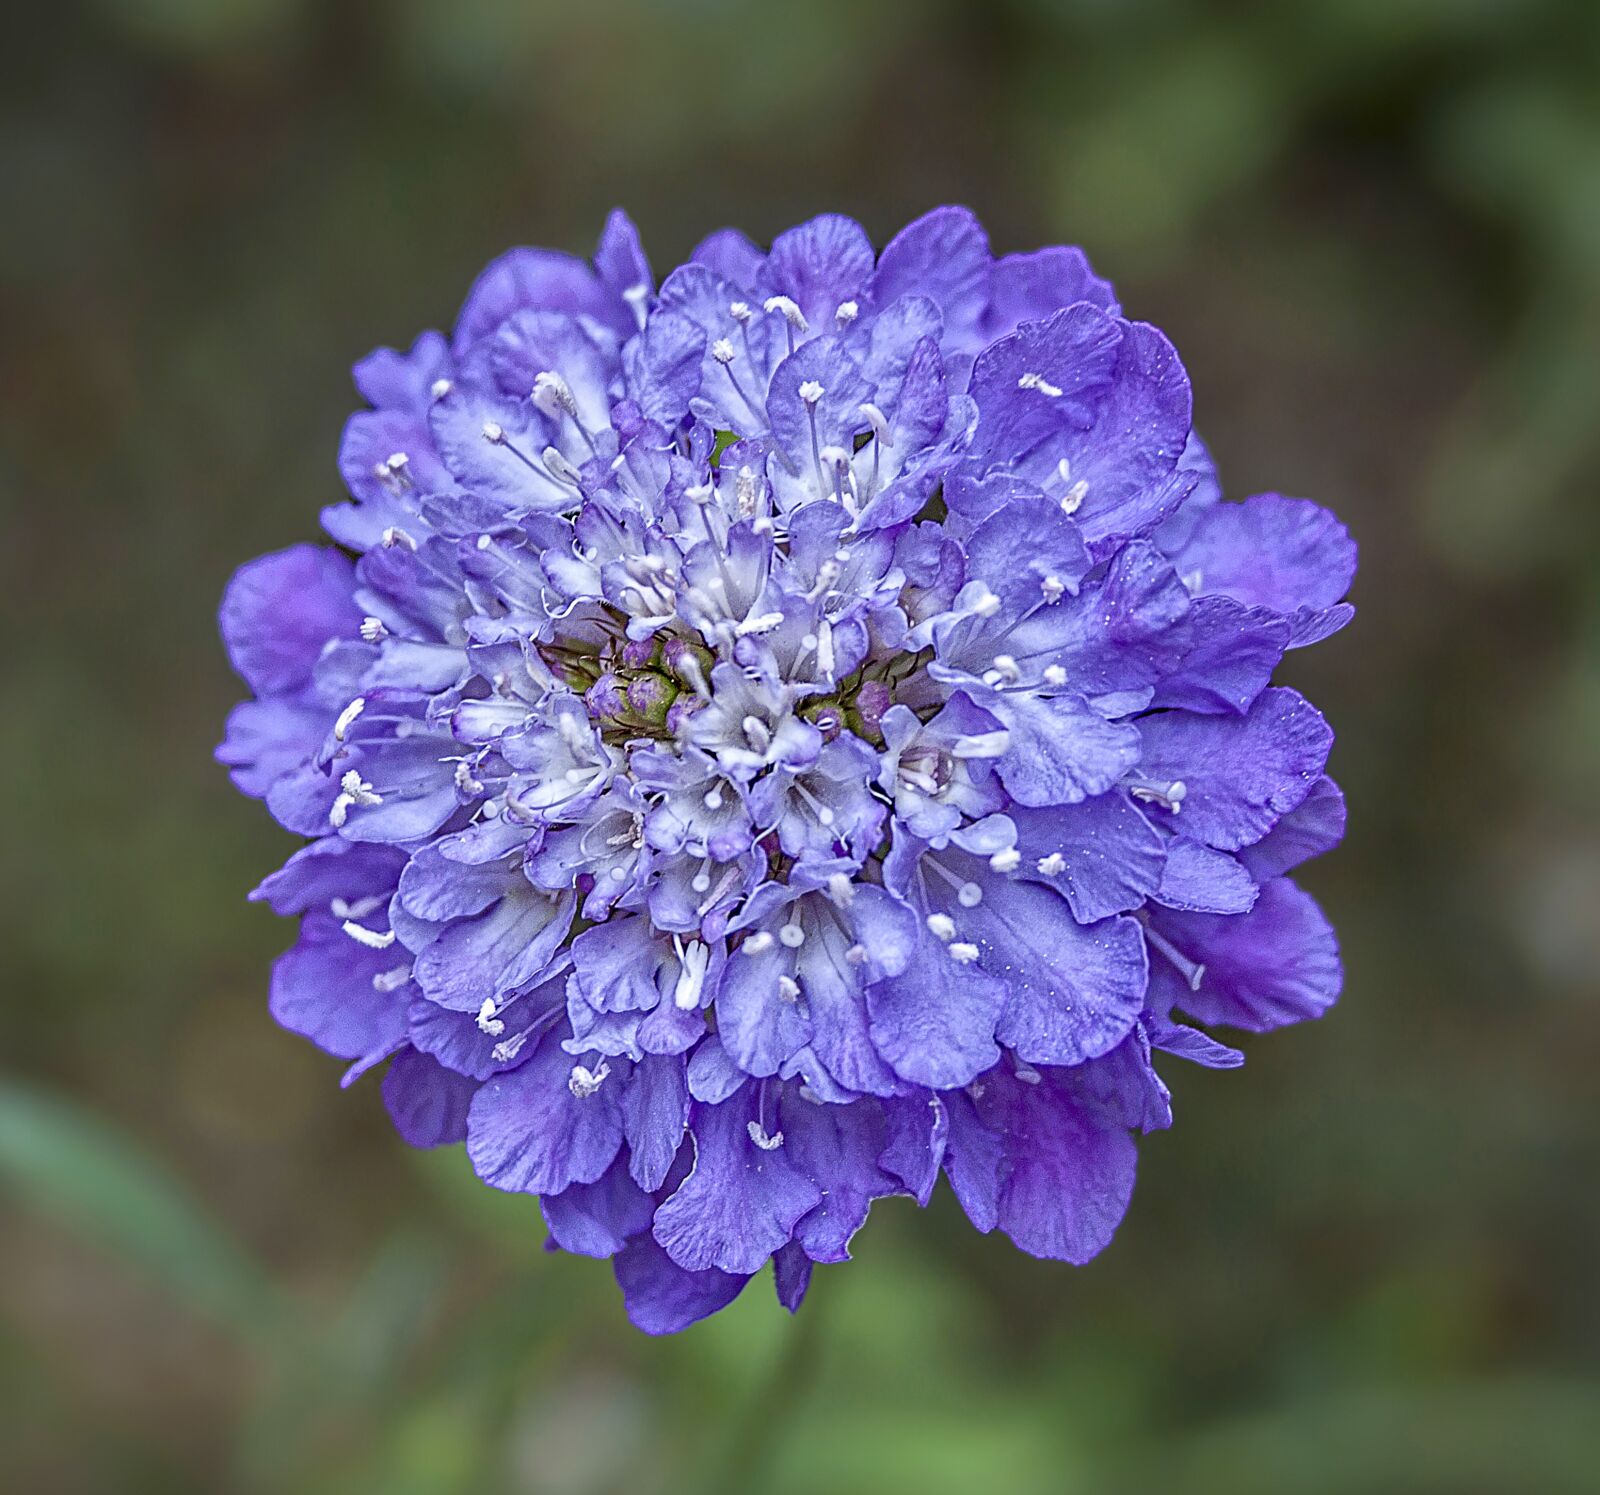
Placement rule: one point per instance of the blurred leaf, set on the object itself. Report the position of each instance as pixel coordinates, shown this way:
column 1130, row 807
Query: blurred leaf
column 67, row 1164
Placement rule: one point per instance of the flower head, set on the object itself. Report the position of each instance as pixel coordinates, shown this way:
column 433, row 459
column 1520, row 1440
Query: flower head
column 770, row 739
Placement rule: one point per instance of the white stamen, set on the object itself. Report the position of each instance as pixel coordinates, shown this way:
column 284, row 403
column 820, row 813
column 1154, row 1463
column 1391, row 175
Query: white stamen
column 712, row 799
column 552, row 394
column 1006, row 861
column 1040, row 383
column 1075, row 495
column 759, row 941
column 483, row 542
column 963, row 953
column 387, row 981
column 353, row 790
column 559, row 467
column 758, row 1135
column 1053, row 588
column 788, row 310
column 357, row 910
column 440, row 388
column 371, row 938
column 969, row 895
column 846, row 313
column 508, row 1049
column 1055, row 675
column 583, row 1082
column 1004, row 669
column 1028, row 1074
column 878, row 421
column 493, row 431
column 372, row 630
column 722, row 350
column 488, row 1023
column 811, row 391
column 1052, row 865
column 792, row 936
column 348, row 715
column 695, row 956
column 841, row 889
column 394, row 535
column 636, row 297
column 856, row 955
column 788, row 989
column 763, row 623
column 942, row 927
column 740, row 312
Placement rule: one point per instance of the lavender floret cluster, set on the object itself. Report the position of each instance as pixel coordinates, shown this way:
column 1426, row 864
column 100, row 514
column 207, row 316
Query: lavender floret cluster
column 776, row 737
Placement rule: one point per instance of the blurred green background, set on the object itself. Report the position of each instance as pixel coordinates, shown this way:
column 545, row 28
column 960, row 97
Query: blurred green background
column 1365, row 1262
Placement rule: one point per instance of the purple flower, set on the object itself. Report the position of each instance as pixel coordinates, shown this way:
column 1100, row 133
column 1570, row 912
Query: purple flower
column 771, row 739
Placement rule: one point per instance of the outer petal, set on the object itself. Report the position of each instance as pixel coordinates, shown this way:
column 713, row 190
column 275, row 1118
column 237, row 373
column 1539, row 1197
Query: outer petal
column 1111, row 856
column 740, row 1203
column 322, row 989
column 661, row 1297
column 1241, row 774
column 427, row 1102
column 1069, row 1173
column 528, row 1133
column 280, row 609
column 1275, row 965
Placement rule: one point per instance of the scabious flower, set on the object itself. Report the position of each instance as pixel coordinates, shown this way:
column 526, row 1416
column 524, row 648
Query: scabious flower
column 770, row 739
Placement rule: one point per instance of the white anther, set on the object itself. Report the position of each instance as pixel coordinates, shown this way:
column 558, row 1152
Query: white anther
column 788, row 310
column 493, row 431
column 987, row 604
column 1052, row 588
column 1075, row 495
column 440, row 388
column 636, row 296
column 712, row 799
column 740, row 312
column 963, row 953
column 1052, row 865
column 483, row 542
column 841, row 889
column 879, row 422
column 347, row 717
column 856, row 955
column 1006, row 861
column 357, row 910
column 583, row 1082
column 1006, row 668
column 756, row 733
column 788, row 989
column 695, row 957
column 508, row 1048
column 792, row 936
column 1040, row 383
column 811, row 392
column 846, row 312
column 488, row 1023
column 394, row 535
column 762, row 623
column 559, row 467
column 722, row 350
column 758, row 1135
column 836, row 458
column 942, row 927
column 387, row 981
column 1176, row 791
column 745, row 491
column 1028, row 1074
column 701, row 493
column 759, row 941
column 372, row 630
column 1055, row 675
column 353, row 790
column 371, row 938
column 969, row 895
column 552, row 394
column 465, row 781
